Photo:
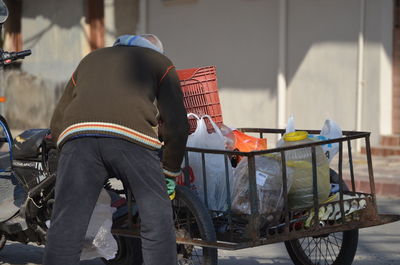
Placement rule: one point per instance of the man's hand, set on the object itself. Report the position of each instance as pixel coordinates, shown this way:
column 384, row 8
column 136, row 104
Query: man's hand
column 171, row 184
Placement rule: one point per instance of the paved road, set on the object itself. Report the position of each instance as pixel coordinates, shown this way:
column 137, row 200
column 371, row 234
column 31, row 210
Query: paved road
column 377, row 246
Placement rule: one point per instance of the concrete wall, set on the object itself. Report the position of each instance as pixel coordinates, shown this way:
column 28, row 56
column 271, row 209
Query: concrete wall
column 323, row 63
column 321, row 56
column 55, row 32
column 239, row 37
column 121, row 17
column 242, row 39
column 30, row 100
column 377, row 98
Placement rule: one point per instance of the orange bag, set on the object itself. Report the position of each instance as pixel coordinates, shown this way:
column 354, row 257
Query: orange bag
column 247, row 143
column 239, row 141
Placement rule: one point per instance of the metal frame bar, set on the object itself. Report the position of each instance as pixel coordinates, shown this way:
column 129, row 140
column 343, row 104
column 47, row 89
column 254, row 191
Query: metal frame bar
column 315, row 186
column 285, row 192
column 353, row 185
column 341, row 182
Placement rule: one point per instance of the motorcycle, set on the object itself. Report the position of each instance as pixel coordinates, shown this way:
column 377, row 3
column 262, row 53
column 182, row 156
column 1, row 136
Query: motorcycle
column 27, row 184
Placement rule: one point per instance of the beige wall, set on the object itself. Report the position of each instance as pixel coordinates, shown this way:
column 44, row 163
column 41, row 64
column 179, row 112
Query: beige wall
column 239, row 37
column 321, row 56
column 121, row 17
column 322, row 62
column 54, row 31
column 242, row 39
column 57, row 33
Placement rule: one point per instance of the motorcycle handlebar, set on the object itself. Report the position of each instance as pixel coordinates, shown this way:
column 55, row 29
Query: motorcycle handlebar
column 9, row 57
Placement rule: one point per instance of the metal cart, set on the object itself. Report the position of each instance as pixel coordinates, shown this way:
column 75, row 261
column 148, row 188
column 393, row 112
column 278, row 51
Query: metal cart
column 308, row 238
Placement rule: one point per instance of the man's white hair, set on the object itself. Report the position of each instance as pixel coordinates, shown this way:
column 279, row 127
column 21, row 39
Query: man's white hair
column 154, row 40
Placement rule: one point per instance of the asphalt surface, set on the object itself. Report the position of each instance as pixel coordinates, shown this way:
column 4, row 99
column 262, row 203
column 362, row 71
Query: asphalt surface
column 377, row 246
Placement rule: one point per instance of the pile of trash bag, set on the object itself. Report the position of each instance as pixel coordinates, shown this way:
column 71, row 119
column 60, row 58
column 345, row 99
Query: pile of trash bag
column 224, row 178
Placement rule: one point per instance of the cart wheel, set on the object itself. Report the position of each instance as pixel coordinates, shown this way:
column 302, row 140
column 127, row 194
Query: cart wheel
column 332, row 249
column 129, row 252
column 193, row 220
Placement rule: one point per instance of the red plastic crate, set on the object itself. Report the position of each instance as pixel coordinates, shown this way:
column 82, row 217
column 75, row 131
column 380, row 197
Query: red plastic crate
column 200, row 93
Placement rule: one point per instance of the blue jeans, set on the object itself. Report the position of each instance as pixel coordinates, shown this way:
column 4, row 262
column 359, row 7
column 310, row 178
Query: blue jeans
column 84, row 165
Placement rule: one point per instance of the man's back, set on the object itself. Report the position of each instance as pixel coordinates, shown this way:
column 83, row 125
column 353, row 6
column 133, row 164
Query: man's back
column 117, row 86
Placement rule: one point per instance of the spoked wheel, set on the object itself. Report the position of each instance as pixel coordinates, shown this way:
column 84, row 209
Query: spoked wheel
column 332, row 249
column 192, row 220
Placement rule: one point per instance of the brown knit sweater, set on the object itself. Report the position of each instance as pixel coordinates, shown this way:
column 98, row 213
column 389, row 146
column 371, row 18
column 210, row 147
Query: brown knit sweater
column 124, row 92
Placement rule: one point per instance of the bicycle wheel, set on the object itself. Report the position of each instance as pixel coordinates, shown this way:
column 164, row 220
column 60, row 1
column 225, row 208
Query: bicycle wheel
column 193, row 220
column 331, row 249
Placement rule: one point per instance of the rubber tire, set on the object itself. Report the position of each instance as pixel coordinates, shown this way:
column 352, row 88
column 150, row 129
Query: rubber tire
column 203, row 220
column 349, row 241
column 345, row 257
column 129, row 252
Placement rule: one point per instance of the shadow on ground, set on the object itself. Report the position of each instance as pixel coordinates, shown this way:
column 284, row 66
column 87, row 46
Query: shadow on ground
column 20, row 254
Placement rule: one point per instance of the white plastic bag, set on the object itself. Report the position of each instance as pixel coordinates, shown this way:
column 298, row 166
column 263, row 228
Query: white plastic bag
column 330, row 130
column 214, row 164
column 99, row 242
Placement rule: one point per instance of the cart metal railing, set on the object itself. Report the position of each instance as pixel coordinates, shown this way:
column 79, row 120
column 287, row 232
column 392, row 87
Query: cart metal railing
column 249, row 230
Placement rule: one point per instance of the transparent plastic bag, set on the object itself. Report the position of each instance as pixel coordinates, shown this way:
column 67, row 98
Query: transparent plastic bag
column 269, row 185
column 300, row 161
column 331, row 130
column 214, row 164
column 99, row 242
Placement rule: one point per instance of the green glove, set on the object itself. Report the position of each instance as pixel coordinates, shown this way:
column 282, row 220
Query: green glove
column 171, row 184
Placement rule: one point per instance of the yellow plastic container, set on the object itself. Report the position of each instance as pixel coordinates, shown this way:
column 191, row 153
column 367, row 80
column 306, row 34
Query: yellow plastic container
column 299, row 163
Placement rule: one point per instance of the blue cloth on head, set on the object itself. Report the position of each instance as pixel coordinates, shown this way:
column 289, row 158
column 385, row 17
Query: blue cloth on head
column 135, row 40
